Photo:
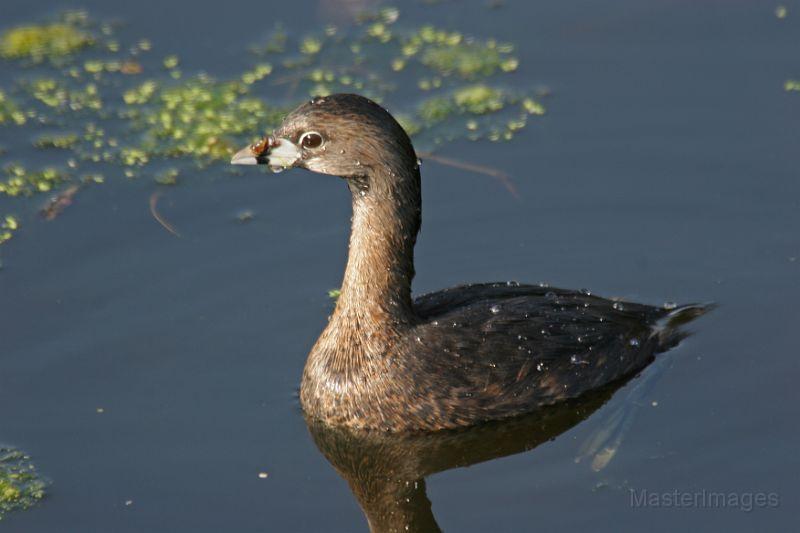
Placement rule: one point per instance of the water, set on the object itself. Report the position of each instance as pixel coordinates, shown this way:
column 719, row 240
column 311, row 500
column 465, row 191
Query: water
column 665, row 170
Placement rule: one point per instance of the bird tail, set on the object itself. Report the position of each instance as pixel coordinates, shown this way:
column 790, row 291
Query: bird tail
column 667, row 329
column 606, row 440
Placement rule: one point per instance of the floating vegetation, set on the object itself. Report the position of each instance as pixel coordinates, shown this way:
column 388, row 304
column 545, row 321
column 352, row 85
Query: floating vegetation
column 140, row 94
column 21, row 182
column 133, row 157
column 200, row 117
column 310, row 46
column 470, row 103
column 451, row 53
column 9, row 225
column 479, row 99
column 9, row 112
column 40, row 42
column 167, row 177
column 103, row 102
column 55, row 94
column 791, row 85
column 62, row 141
column 171, row 62
column 20, row 485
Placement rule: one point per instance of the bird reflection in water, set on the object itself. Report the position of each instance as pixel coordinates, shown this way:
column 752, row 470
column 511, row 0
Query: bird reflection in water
column 386, row 471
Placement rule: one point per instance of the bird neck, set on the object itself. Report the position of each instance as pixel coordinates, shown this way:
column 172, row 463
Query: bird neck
column 376, row 290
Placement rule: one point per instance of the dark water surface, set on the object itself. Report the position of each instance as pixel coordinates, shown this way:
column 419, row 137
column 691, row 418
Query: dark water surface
column 665, row 170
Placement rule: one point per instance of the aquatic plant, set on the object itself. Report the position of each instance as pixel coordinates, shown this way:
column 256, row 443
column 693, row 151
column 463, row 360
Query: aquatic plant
column 20, row 485
column 40, row 42
column 369, row 59
column 199, row 117
column 9, row 111
column 20, row 181
column 9, row 225
column 167, row 177
column 61, row 140
column 451, row 53
column 57, row 95
column 99, row 110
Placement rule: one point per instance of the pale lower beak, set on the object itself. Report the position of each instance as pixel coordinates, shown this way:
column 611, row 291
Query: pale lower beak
column 245, row 156
column 279, row 154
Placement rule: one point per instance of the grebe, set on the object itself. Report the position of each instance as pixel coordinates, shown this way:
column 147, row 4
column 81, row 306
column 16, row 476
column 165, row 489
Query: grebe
column 452, row 358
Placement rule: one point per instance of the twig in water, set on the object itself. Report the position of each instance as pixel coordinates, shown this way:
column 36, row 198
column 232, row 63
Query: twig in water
column 154, row 211
column 56, row 204
column 499, row 175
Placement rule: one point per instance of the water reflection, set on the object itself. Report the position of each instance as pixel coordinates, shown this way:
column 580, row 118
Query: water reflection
column 387, row 472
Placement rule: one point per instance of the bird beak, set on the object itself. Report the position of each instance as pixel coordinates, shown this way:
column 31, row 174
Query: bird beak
column 278, row 153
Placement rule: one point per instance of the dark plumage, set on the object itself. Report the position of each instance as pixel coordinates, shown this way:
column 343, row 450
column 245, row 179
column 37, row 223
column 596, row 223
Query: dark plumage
column 453, row 358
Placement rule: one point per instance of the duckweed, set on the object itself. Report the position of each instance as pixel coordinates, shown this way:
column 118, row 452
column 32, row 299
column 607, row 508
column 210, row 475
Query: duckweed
column 97, row 67
column 40, row 42
column 468, row 61
column 479, row 99
column 9, row 225
column 141, row 94
column 62, row 141
column 533, row 107
column 54, row 93
column 21, row 487
column 380, row 31
column 791, row 85
column 9, row 112
column 451, row 53
column 21, row 182
column 202, row 118
column 133, row 157
column 128, row 123
column 436, row 109
column 441, row 60
column 167, row 177
column 257, row 74
column 310, row 46
column 171, row 61
column 387, row 15
column 475, row 102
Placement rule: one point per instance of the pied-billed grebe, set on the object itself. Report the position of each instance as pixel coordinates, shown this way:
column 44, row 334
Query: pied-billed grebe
column 453, row 358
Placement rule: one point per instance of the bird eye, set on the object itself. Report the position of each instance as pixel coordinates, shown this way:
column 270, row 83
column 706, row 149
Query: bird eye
column 312, row 139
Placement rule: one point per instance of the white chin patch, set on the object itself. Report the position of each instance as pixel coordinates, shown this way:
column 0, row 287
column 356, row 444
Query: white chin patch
column 283, row 156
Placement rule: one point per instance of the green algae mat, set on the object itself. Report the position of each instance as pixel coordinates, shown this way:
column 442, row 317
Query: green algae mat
column 102, row 109
column 20, row 485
